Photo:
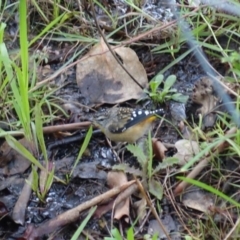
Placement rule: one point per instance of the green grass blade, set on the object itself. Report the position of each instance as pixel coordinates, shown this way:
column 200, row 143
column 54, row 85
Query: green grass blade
column 47, row 29
column 210, row 189
column 83, row 224
column 39, row 132
column 83, row 148
column 23, row 46
column 13, row 143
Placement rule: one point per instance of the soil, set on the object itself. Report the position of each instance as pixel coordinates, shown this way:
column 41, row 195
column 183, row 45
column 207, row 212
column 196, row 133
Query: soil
column 83, row 186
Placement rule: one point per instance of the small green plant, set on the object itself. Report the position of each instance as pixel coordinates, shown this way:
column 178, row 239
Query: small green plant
column 130, row 235
column 148, row 174
column 167, row 93
column 234, row 59
column 116, row 235
column 42, row 183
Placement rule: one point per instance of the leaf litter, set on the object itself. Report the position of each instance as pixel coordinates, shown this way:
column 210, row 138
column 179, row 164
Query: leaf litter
column 102, row 80
column 98, row 70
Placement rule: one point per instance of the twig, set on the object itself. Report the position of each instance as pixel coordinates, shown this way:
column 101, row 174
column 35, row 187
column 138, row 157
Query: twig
column 74, row 213
column 154, row 212
column 56, row 128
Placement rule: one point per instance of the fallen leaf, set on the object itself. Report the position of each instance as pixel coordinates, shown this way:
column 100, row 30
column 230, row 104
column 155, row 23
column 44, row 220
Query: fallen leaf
column 198, row 199
column 186, row 149
column 12, row 161
column 89, row 170
column 116, row 179
column 140, row 207
column 158, row 149
column 10, row 181
column 101, row 79
column 19, row 210
column 170, row 224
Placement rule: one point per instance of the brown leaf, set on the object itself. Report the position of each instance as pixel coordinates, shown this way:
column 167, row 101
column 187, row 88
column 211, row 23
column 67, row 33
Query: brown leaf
column 102, row 80
column 158, row 149
column 186, row 149
column 140, row 207
column 116, row 179
column 89, row 170
column 19, row 210
column 12, row 161
column 170, row 225
column 198, row 199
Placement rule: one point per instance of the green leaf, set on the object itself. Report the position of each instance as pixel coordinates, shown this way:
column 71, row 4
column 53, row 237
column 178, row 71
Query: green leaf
column 138, row 153
column 167, row 162
column 178, row 97
column 116, row 234
column 130, row 234
column 155, row 82
column 35, row 178
column 49, row 182
column 188, row 237
column 47, row 28
column 155, row 188
column 159, row 78
column 155, row 236
column 169, row 82
column 13, row 143
column 39, row 131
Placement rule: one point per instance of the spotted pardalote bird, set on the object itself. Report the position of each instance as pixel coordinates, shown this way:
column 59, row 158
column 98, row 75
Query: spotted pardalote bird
column 122, row 124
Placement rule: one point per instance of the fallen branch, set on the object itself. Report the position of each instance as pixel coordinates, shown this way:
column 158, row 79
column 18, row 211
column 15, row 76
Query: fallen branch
column 73, row 214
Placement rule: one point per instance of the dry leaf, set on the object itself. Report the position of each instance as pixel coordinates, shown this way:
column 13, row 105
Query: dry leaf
column 102, row 80
column 158, row 149
column 140, row 207
column 89, row 170
column 198, row 199
column 12, row 161
column 186, row 149
column 170, row 225
column 116, row 179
